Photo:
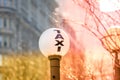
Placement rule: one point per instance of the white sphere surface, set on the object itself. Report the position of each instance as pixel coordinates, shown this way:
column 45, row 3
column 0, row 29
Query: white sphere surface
column 54, row 41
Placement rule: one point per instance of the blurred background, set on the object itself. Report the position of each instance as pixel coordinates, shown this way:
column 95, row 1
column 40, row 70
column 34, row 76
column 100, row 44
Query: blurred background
column 85, row 21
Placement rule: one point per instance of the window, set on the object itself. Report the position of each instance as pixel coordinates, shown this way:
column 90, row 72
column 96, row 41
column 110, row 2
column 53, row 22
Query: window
column 24, row 4
column 24, row 9
column 5, row 22
column 1, row 22
column 9, row 3
column 15, row 2
column 1, row 41
column 10, row 23
column 12, row 3
column 33, row 15
column 5, row 43
column 5, row 2
column 34, row 3
column 0, row 2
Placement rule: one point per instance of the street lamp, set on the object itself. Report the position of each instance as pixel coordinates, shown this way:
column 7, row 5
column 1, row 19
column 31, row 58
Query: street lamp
column 54, row 43
column 111, row 41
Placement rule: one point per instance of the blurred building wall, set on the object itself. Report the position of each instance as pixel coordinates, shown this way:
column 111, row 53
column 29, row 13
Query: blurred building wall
column 22, row 22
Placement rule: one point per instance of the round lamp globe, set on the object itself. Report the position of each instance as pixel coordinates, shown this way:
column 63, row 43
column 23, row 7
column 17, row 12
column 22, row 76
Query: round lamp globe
column 54, row 41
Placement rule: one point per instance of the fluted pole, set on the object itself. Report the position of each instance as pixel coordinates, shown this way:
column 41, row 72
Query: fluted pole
column 55, row 66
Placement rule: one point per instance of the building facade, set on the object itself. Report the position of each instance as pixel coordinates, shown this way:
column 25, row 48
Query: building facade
column 22, row 22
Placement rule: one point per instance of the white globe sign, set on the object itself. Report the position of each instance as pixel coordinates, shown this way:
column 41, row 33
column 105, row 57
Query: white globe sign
column 54, row 41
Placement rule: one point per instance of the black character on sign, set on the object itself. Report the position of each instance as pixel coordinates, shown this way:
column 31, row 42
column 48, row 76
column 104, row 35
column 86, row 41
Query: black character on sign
column 59, row 36
column 59, row 39
column 59, row 44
